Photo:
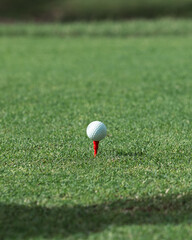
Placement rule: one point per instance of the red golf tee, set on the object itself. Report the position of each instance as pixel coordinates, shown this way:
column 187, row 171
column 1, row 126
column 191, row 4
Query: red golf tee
column 95, row 147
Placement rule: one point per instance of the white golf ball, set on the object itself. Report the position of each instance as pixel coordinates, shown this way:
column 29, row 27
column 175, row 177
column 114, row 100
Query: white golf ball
column 96, row 131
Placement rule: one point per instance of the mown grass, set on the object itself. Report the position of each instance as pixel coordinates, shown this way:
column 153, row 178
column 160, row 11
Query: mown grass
column 164, row 26
column 139, row 185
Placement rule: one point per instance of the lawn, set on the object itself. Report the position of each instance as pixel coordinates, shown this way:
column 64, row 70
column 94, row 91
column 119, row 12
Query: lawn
column 51, row 87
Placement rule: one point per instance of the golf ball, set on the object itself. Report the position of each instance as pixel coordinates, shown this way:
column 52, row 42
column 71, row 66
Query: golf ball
column 96, row 131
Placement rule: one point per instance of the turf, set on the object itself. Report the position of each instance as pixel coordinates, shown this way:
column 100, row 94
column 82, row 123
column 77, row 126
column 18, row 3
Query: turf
column 139, row 185
column 136, row 28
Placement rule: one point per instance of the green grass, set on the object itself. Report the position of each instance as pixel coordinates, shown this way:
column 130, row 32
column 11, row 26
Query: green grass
column 136, row 28
column 51, row 88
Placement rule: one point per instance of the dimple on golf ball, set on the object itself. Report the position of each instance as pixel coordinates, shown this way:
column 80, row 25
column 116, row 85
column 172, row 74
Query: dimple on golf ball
column 96, row 131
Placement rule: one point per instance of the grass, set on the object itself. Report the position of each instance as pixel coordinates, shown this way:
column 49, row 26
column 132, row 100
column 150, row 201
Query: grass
column 136, row 28
column 139, row 185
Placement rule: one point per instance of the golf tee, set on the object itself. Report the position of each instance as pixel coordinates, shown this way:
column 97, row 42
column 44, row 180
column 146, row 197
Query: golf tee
column 95, row 147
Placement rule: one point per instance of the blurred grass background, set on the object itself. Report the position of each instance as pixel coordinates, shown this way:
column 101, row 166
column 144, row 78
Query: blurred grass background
column 70, row 10
column 112, row 29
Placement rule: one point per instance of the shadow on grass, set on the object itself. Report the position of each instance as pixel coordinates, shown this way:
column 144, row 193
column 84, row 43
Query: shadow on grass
column 24, row 222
